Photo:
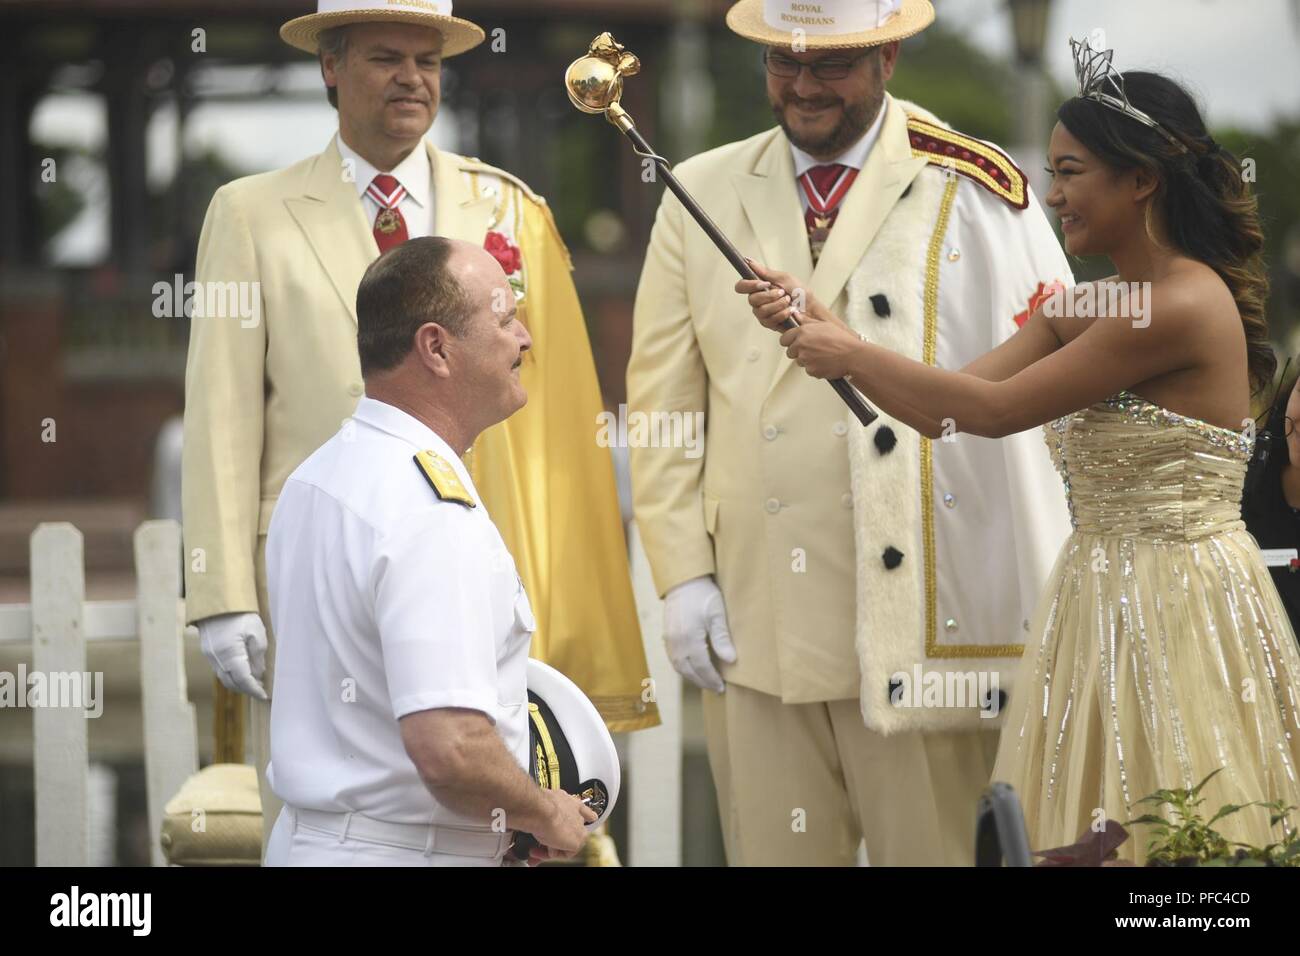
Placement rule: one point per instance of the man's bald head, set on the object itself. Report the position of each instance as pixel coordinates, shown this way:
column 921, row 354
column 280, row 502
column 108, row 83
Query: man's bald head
column 413, row 283
column 437, row 321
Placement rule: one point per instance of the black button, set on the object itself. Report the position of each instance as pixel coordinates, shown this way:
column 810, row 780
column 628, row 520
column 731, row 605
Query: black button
column 1002, row 701
column 885, row 439
column 892, row 557
column 880, row 304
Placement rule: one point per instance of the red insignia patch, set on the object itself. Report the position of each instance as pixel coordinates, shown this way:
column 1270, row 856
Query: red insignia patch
column 1041, row 295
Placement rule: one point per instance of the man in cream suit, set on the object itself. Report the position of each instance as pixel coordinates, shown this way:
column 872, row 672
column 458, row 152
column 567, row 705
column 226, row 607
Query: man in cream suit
column 820, row 576
column 263, row 393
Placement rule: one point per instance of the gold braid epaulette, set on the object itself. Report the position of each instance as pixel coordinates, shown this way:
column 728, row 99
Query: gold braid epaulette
column 985, row 164
column 475, row 165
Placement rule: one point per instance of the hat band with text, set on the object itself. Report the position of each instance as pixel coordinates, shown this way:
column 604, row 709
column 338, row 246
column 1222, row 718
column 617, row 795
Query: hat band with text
column 829, row 17
column 440, row 7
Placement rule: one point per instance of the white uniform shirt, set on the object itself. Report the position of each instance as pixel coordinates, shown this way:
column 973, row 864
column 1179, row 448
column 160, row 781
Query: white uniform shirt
column 414, row 173
column 385, row 600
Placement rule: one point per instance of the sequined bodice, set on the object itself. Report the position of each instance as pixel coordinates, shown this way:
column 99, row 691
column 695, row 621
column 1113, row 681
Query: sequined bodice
column 1134, row 469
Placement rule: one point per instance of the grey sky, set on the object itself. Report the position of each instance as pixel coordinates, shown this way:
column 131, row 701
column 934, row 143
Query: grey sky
column 1241, row 57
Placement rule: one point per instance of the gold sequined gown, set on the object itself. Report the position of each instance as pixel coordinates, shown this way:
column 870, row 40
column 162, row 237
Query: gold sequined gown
column 1160, row 649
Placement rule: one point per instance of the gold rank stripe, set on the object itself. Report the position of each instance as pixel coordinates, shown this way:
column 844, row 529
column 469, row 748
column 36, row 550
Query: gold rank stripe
column 948, row 148
column 548, row 761
column 442, row 478
column 932, row 646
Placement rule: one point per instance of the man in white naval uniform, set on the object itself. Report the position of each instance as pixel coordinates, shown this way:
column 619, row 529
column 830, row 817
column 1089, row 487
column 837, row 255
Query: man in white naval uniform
column 399, row 727
column 825, row 574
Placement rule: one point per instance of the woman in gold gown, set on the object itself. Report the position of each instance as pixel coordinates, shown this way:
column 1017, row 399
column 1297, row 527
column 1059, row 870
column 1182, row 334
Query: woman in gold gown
column 1160, row 650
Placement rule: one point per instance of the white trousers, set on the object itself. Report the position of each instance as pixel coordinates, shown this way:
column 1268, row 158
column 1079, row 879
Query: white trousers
column 295, row 844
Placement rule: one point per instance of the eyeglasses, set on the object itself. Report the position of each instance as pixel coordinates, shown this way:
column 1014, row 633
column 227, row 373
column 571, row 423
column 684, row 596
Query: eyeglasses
column 826, row 68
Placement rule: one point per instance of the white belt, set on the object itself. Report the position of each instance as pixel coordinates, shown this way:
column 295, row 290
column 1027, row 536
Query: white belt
column 430, row 838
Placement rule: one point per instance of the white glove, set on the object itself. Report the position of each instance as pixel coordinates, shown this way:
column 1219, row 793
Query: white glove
column 694, row 618
column 235, row 646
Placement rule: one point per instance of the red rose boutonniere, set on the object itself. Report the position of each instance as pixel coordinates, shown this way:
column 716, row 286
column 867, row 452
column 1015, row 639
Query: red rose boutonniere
column 508, row 255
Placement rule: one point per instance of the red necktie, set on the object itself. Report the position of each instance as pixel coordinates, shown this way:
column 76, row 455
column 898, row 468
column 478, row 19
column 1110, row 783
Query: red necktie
column 825, row 187
column 390, row 227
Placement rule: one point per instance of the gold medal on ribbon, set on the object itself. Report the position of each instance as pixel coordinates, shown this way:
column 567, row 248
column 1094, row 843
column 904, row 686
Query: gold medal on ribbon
column 387, row 221
column 817, row 235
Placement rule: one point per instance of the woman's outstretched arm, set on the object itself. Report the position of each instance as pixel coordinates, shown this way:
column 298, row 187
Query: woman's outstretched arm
column 1112, row 355
column 1033, row 341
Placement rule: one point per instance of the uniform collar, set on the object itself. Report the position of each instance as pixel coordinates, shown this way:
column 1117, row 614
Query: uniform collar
column 414, row 172
column 393, row 421
column 855, row 156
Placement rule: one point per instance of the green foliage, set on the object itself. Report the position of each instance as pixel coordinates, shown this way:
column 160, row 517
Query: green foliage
column 1187, row 839
column 197, row 180
column 183, row 204
column 941, row 72
column 1275, row 163
column 585, row 145
column 57, row 203
column 741, row 108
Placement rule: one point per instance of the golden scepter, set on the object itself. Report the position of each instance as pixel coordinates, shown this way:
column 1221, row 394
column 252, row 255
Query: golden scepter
column 595, row 85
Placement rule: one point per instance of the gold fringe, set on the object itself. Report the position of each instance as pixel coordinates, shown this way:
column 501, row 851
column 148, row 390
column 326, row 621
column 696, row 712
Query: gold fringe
column 625, row 714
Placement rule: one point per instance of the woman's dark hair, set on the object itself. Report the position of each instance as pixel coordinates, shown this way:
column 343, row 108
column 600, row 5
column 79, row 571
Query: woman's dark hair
column 1208, row 210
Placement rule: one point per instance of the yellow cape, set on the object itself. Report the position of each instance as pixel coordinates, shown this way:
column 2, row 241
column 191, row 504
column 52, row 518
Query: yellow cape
column 549, row 488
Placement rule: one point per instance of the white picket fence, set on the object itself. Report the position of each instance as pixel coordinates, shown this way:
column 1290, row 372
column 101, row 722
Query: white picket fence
column 59, row 622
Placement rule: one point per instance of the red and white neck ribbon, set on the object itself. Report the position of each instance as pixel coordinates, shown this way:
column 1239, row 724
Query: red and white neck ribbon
column 386, row 191
column 826, row 186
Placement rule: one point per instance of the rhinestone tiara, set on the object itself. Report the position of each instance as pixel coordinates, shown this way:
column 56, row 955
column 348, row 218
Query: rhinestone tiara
column 1100, row 81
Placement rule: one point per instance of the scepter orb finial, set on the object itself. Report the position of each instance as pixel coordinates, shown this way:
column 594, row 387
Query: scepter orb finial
column 595, row 81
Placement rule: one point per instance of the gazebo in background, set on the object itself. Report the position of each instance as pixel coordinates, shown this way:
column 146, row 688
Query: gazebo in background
column 84, row 339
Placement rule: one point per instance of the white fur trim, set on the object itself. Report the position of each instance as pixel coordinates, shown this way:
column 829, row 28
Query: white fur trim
column 887, row 488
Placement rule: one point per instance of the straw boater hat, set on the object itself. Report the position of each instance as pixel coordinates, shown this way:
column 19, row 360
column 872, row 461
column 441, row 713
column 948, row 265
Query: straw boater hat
column 457, row 35
column 829, row 24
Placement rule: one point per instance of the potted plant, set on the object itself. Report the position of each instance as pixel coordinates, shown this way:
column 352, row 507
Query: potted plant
column 1184, row 837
